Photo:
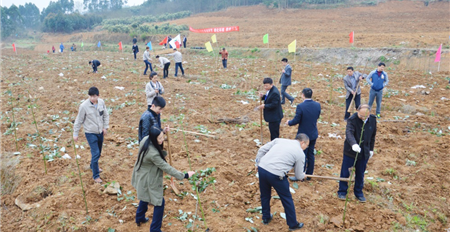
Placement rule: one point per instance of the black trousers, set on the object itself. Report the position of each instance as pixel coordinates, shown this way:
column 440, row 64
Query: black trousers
column 274, row 128
column 348, row 101
column 166, row 70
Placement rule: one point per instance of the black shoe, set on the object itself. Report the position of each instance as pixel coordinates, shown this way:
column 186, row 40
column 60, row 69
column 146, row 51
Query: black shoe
column 266, row 221
column 299, row 226
column 341, row 197
column 282, row 103
column 361, row 199
column 142, row 222
column 292, row 101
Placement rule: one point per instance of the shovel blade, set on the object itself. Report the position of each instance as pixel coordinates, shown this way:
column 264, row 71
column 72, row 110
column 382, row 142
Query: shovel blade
column 174, row 187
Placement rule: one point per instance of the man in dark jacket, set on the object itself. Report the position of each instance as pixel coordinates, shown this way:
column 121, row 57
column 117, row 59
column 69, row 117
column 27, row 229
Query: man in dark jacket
column 377, row 79
column 95, row 64
column 135, row 50
column 134, row 40
column 151, row 117
column 358, row 147
column 273, row 112
column 285, row 81
column 306, row 117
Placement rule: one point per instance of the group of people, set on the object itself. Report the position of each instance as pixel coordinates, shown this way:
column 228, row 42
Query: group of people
column 73, row 48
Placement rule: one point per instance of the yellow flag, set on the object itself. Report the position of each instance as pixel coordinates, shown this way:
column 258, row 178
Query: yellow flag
column 214, row 39
column 292, row 46
column 208, row 46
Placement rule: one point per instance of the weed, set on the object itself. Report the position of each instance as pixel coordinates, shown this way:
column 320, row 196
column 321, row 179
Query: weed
column 410, row 162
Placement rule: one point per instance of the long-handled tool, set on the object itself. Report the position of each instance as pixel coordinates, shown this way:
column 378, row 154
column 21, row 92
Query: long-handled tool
column 172, row 184
column 194, row 133
column 327, row 177
column 349, row 110
column 260, row 122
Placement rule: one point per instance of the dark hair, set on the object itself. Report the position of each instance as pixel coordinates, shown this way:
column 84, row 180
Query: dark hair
column 350, row 68
column 159, row 101
column 267, row 80
column 223, row 49
column 174, row 49
column 284, row 60
column 153, row 139
column 153, row 74
column 90, row 62
column 302, row 137
column 93, row 91
column 157, row 56
column 307, row 92
column 147, row 47
column 381, row 64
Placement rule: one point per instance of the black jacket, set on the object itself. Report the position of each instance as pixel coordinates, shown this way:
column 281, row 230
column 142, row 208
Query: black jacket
column 272, row 106
column 95, row 63
column 135, row 48
column 353, row 134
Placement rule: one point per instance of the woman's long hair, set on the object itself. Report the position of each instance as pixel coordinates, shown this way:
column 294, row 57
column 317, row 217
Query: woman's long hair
column 153, row 139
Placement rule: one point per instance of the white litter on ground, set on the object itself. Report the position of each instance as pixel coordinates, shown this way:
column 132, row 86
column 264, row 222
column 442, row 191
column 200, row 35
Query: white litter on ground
column 257, row 142
column 103, row 77
column 332, row 135
column 66, row 156
column 244, row 102
column 61, row 74
column 119, row 87
column 418, row 87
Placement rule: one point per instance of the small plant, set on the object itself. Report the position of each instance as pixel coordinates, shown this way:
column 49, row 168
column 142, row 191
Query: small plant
column 410, row 162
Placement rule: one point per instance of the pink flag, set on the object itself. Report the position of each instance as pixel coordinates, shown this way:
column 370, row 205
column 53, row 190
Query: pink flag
column 438, row 54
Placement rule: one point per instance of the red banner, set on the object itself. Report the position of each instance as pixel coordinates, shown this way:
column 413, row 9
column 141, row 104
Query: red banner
column 215, row 29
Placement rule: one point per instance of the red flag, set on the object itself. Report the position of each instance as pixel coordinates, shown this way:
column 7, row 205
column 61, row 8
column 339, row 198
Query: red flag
column 438, row 54
column 177, row 44
column 164, row 41
column 351, row 36
column 120, row 45
column 14, row 47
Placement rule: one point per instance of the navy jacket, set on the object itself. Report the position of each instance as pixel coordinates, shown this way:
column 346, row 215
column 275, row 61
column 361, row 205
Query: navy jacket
column 353, row 134
column 95, row 63
column 272, row 106
column 306, row 117
column 286, row 76
column 376, row 81
column 135, row 48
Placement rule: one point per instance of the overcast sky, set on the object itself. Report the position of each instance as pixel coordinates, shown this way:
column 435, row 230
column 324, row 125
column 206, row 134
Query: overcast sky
column 44, row 3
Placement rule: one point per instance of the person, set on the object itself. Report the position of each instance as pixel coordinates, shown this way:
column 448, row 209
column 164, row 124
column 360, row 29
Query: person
column 377, row 79
column 169, row 38
column 178, row 57
column 153, row 88
column 95, row 64
column 53, row 48
column 362, row 150
column 134, row 41
column 61, row 47
column 306, row 116
column 74, row 47
column 135, row 50
column 147, row 60
column 71, row 48
column 94, row 117
column 165, row 63
column 184, row 41
column 273, row 113
column 147, row 178
column 351, row 81
column 285, row 81
column 224, row 54
column 151, row 117
column 274, row 160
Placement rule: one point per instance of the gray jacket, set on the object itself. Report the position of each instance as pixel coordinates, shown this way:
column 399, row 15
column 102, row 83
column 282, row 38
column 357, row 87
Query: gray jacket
column 285, row 78
column 94, row 120
column 150, row 92
column 146, row 56
column 177, row 56
column 348, row 83
column 281, row 155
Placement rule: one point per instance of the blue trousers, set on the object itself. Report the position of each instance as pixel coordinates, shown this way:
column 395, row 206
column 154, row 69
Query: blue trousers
column 348, row 101
column 179, row 64
column 284, row 94
column 158, row 214
column 360, row 168
column 147, row 64
column 379, row 96
column 95, row 142
column 224, row 62
column 309, row 156
column 268, row 180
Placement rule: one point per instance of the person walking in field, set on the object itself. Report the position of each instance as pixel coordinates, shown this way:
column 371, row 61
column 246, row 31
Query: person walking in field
column 135, row 40
column 273, row 113
column 94, row 117
column 351, row 83
column 53, row 48
column 224, row 54
column 184, row 41
column 178, row 58
column 95, row 64
column 285, row 81
column 61, row 47
column 153, row 88
column 377, row 79
column 164, row 63
column 354, row 150
column 147, row 178
column 147, row 60
column 274, row 160
column 135, row 49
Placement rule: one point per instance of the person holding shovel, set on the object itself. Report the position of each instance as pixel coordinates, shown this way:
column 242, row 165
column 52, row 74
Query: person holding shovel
column 95, row 64
column 274, row 160
column 273, row 113
column 351, row 83
column 151, row 117
column 147, row 178
column 94, row 117
column 164, row 63
column 357, row 146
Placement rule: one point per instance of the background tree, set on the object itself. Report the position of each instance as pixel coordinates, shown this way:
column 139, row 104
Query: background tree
column 30, row 15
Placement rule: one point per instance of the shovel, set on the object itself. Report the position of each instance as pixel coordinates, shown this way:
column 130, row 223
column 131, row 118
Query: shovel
column 172, row 184
column 329, row 177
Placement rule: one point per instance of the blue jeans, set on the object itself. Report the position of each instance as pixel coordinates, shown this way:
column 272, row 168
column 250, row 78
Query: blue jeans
column 147, row 64
column 309, row 156
column 360, row 168
column 95, row 142
column 378, row 95
column 268, row 180
column 158, row 213
column 179, row 64
column 224, row 62
column 94, row 67
column 284, row 94
column 348, row 101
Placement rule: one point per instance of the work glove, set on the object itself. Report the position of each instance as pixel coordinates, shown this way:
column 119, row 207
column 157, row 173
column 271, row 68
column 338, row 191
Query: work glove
column 371, row 154
column 356, row 148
